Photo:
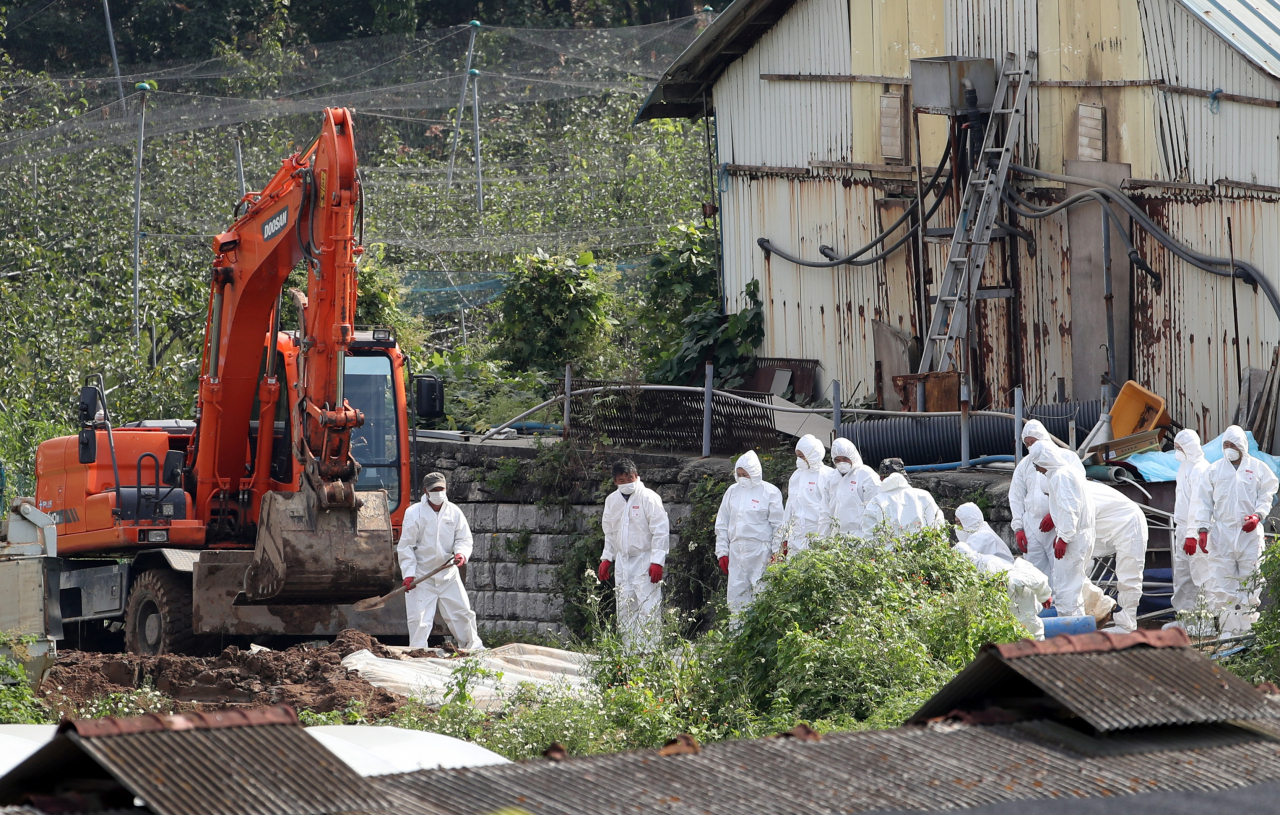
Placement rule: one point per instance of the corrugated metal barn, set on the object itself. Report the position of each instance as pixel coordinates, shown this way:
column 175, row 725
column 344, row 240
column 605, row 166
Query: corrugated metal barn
column 1175, row 101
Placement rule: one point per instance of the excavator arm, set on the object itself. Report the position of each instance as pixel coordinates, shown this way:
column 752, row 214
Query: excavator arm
column 318, row 540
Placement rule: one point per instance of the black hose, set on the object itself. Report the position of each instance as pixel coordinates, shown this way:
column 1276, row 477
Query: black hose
column 1012, row 199
column 936, row 439
column 768, row 247
column 1238, row 268
column 830, row 253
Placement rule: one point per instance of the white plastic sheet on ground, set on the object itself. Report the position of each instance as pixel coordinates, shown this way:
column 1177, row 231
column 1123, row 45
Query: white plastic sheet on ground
column 519, row 664
column 376, row 750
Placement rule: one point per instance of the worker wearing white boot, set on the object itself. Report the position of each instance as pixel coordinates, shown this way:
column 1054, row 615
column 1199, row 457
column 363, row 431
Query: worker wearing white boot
column 806, row 495
column 748, row 527
column 1190, row 565
column 1121, row 531
column 1029, row 503
column 1235, row 495
column 636, row 541
column 1071, row 517
column 435, row 531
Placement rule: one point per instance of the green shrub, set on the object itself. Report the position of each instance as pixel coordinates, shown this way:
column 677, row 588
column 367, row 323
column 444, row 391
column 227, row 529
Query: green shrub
column 554, row 311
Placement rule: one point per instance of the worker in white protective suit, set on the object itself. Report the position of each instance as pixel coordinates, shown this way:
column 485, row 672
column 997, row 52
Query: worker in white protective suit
column 973, row 530
column 899, row 508
column 748, row 527
column 1235, row 495
column 1072, row 518
column 806, row 495
column 637, row 537
column 436, row 532
column 854, row 485
column 1029, row 503
column 1190, row 565
column 1029, row 590
column 1121, row 530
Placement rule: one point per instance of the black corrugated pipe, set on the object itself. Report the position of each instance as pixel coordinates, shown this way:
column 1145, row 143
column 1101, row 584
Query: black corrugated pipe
column 936, row 439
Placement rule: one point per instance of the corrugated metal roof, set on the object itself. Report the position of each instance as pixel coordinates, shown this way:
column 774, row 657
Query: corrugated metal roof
column 910, row 768
column 1111, row 681
column 256, row 762
column 1252, row 27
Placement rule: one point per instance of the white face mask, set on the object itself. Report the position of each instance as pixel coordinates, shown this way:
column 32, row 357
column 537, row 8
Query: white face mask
column 627, row 488
column 744, row 481
column 802, row 464
column 1179, row 455
column 436, row 498
column 843, row 467
column 1231, row 453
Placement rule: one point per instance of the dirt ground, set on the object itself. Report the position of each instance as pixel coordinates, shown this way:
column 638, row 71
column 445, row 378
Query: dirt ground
column 305, row 676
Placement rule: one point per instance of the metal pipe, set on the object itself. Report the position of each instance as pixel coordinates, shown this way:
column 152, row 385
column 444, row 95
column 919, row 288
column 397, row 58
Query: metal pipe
column 921, row 292
column 964, row 424
column 957, row 465
column 215, row 335
column 137, row 222
column 240, row 170
column 706, row 411
column 462, row 100
column 115, row 62
column 1107, row 296
column 568, row 391
column 1017, row 424
column 475, row 122
column 835, row 409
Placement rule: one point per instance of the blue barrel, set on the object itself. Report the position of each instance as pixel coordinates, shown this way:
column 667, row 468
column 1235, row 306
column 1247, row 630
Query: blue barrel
column 1057, row 626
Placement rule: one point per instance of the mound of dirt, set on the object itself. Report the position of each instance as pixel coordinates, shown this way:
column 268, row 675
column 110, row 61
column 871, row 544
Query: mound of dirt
column 305, row 676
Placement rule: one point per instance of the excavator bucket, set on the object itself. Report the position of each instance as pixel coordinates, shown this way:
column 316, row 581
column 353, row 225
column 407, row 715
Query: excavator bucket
column 306, row 553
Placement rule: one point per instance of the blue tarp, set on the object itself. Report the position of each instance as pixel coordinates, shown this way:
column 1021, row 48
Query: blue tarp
column 1164, row 466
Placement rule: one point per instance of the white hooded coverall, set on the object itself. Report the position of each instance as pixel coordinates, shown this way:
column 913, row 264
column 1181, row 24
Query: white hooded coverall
column 1028, row 587
column 1121, row 530
column 849, row 493
column 1029, row 503
column 1190, row 572
column 636, row 535
column 1074, row 522
column 747, row 529
column 1228, row 494
column 900, row 507
column 807, row 495
column 428, row 539
column 978, row 535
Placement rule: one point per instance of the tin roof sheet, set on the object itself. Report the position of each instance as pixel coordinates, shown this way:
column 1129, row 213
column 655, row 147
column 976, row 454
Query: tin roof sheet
column 235, row 762
column 910, row 768
column 1252, row 27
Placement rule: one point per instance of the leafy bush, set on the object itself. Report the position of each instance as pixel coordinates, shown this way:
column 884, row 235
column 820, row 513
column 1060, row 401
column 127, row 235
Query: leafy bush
column 480, row 394
column 18, row 701
column 682, row 278
column 728, row 341
column 555, row 311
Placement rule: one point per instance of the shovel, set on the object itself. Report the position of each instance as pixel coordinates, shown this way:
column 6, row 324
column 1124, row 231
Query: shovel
column 375, row 603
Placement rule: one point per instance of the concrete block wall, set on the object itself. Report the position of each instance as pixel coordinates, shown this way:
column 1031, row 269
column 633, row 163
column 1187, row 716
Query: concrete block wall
column 521, row 535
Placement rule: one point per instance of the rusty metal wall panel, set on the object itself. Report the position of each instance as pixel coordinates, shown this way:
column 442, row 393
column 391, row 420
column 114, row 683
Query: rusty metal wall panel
column 789, row 124
column 1044, row 305
column 1185, row 337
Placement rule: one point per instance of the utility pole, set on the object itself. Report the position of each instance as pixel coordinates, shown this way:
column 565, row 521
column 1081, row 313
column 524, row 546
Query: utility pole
column 462, row 101
column 137, row 216
column 111, row 38
column 475, row 122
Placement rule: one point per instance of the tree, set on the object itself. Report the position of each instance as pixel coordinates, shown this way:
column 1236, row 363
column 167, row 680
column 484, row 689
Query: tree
column 554, row 311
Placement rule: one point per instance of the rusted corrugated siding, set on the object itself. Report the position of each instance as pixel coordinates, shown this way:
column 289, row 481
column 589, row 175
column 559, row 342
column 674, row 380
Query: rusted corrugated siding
column 1184, row 337
column 788, row 124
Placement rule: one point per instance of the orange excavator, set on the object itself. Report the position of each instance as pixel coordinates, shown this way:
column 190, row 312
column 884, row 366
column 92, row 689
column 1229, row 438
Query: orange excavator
column 279, row 506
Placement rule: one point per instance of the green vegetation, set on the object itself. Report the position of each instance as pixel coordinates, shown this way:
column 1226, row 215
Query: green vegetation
column 846, row 635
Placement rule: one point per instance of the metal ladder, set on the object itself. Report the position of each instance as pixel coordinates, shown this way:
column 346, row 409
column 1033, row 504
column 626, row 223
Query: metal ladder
column 971, row 241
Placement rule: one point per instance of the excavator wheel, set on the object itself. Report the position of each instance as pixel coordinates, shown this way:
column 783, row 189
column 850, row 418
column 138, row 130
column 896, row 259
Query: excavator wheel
column 157, row 619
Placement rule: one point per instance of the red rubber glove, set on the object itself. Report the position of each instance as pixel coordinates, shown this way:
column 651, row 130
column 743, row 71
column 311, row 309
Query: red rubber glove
column 1047, row 603
column 459, row 559
column 1046, row 523
column 1189, row 546
column 1204, row 542
column 655, row 573
column 408, row 583
column 1059, row 548
column 606, row 569
column 784, row 548
column 1022, row 541
column 724, row 564
column 1251, row 523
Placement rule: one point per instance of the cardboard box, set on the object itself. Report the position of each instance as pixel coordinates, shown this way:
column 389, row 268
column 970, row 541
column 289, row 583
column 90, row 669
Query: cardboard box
column 1119, row 449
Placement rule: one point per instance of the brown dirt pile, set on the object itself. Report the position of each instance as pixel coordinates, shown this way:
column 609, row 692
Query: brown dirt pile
column 307, row 677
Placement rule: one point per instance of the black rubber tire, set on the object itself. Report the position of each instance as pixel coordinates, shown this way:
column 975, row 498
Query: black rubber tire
column 165, row 595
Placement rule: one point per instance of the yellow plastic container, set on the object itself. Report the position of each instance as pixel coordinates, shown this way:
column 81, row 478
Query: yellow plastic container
column 1137, row 410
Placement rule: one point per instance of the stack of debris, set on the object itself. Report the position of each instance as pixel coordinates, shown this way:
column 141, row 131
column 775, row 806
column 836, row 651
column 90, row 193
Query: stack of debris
column 1258, row 409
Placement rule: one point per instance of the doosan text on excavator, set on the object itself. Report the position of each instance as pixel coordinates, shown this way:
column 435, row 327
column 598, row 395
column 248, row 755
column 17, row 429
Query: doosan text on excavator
column 278, row 506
